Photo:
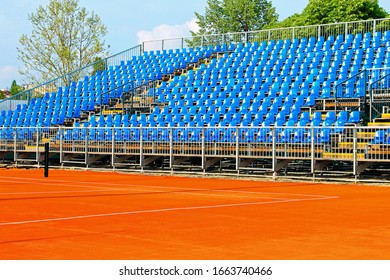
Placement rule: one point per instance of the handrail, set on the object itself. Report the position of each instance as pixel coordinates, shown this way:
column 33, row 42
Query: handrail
column 379, row 80
column 372, row 103
column 317, row 31
column 136, row 85
column 67, row 78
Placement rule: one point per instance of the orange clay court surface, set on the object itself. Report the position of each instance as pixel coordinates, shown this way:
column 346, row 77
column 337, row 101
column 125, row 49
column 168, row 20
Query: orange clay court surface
column 96, row 215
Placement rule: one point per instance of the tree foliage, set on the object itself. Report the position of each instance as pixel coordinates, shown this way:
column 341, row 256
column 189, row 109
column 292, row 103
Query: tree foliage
column 333, row 11
column 2, row 95
column 225, row 16
column 64, row 37
column 15, row 88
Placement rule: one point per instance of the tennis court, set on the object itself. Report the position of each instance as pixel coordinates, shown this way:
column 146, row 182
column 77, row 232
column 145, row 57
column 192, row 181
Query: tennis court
column 108, row 215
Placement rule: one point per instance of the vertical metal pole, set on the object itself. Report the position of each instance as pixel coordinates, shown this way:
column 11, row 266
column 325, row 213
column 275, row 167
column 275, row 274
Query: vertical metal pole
column 141, row 148
column 371, row 102
column 170, row 148
column 47, row 148
column 86, row 146
column 319, row 32
column 237, row 149
column 37, row 146
column 312, row 143
column 28, row 96
column 335, row 98
column 61, row 145
column 293, row 34
column 203, row 150
column 101, row 102
column 355, row 159
column 366, row 88
column 274, row 160
column 15, row 146
column 113, row 148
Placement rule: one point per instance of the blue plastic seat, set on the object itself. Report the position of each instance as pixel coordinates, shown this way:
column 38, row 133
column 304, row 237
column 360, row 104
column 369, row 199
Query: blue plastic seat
column 342, row 116
column 330, row 116
column 354, row 117
column 324, row 136
column 300, row 136
column 264, row 135
column 285, row 136
column 305, row 116
column 379, row 137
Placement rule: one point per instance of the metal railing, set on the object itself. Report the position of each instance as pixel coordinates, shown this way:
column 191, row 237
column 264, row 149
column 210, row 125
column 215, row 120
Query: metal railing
column 139, row 96
column 66, row 79
column 380, row 95
column 372, row 85
column 299, row 32
column 354, row 144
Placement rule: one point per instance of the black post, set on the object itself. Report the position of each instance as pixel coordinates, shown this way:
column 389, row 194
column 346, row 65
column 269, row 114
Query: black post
column 47, row 159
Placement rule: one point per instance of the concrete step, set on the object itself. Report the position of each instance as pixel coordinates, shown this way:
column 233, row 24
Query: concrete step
column 341, row 156
column 349, row 145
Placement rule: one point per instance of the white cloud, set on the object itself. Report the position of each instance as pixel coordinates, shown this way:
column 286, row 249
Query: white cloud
column 7, row 75
column 165, row 31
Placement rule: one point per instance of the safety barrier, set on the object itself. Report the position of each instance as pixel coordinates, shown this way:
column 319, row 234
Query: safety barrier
column 242, row 146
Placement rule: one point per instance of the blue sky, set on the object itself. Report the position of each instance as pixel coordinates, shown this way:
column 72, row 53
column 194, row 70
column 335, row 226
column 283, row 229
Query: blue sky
column 129, row 22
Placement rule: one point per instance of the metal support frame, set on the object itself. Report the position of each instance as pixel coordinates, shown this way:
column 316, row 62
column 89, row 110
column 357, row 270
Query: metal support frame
column 237, row 154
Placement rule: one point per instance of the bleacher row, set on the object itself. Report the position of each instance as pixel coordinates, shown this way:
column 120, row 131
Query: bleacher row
column 120, row 128
column 248, row 85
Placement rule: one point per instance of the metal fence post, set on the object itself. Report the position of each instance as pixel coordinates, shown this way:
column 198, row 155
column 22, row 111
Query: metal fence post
column 36, row 145
column 237, row 149
column 319, row 32
column 15, row 147
column 113, row 147
column 61, row 146
column 86, row 145
column 312, row 143
column 170, row 148
column 141, row 148
column 355, row 162
column 274, row 160
column 203, row 150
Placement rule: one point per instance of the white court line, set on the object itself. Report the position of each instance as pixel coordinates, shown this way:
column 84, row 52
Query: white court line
column 56, row 192
column 88, row 185
column 158, row 211
column 179, row 190
column 124, row 192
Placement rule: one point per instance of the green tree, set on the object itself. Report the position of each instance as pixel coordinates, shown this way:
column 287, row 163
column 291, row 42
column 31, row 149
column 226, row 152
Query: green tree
column 98, row 65
column 64, row 38
column 15, row 88
column 333, row 11
column 2, row 94
column 224, row 16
